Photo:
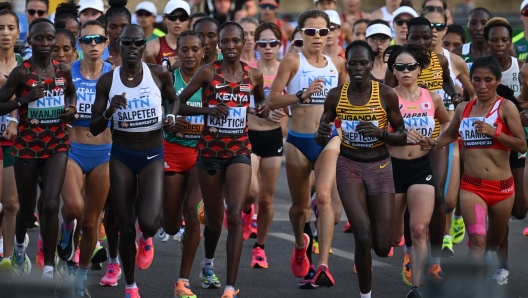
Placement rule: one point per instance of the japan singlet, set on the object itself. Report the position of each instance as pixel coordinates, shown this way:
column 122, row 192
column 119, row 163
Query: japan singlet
column 418, row 115
column 143, row 112
column 350, row 115
column 226, row 137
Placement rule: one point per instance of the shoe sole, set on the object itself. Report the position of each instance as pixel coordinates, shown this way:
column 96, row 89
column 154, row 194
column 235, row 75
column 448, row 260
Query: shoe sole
column 112, row 285
column 100, row 256
column 257, row 265
column 324, row 281
column 308, row 286
column 303, row 274
column 184, row 296
column 447, row 253
column 405, row 279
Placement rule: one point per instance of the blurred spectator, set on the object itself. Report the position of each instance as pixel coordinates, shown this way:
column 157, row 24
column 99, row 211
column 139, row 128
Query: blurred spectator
column 352, row 12
column 346, row 30
column 401, row 17
column 520, row 41
column 227, row 10
column 34, row 9
column 386, row 12
column 90, row 10
column 195, row 17
column 332, row 47
column 268, row 13
column 454, row 38
column 146, row 13
column 441, row 3
column 360, row 29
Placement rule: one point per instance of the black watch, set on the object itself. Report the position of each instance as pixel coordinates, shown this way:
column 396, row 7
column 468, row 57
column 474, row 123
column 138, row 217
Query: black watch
column 299, row 96
column 456, row 93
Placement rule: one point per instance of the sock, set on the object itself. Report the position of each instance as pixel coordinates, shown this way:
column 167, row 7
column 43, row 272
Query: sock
column 315, row 233
column 435, row 260
column 82, row 274
column 258, row 245
column 308, row 231
column 132, row 286
column 406, row 249
column 143, row 237
column 207, row 261
column 505, row 265
column 113, row 260
column 185, row 280
column 458, row 217
column 47, row 270
column 254, row 217
column 68, row 225
column 365, row 295
column 229, row 288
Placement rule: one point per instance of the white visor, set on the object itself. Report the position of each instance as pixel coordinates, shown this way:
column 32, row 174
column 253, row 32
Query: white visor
column 378, row 29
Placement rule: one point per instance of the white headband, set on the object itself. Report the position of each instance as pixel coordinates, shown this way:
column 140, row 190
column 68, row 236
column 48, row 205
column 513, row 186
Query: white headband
column 379, row 29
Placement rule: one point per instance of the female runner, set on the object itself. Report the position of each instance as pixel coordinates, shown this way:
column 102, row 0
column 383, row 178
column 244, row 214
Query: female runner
column 364, row 170
column 64, row 50
column 227, row 86
column 378, row 36
column 68, row 12
column 455, row 37
column 360, row 29
column 249, row 53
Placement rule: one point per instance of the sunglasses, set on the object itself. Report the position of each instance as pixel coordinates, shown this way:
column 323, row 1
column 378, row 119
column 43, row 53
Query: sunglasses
column 438, row 26
column 32, row 12
column 402, row 66
column 143, row 13
column 524, row 12
column 376, row 38
column 298, row 43
column 89, row 39
column 138, row 42
column 333, row 28
column 314, row 31
column 400, row 22
column 174, row 17
column 265, row 43
column 270, row 6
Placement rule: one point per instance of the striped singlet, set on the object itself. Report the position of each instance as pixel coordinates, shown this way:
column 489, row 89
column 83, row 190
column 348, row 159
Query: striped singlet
column 432, row 76
column 350, row 115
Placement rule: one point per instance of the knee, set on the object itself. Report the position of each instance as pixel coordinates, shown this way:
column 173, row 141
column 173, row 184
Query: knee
column 418, row 231
column 10, row 207
column 265, row 205
column 519, row 213
column 72, row 209
column 363, row 240
column 234, row 219
column 298, row 210
column 51, row 207
column 171, row 225
column 148, row 227
column 215, row 223
column 323, row 199
column 478, row 243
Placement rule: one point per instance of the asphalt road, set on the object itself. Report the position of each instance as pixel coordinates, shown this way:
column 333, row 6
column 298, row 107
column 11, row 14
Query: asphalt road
column 278, row 281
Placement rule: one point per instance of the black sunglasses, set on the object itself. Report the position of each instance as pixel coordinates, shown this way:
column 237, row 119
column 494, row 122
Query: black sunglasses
column 138, row 42
column 143, row 13
column 174, row 17
column 88, row 39
column 400, row 22
column 264, row 43
column 32, row 12
column 314, row 31
column 270, row 6
column 298, row 43
column 524, row 12
column 381, row 37
column 438, row 26
column 402, row 66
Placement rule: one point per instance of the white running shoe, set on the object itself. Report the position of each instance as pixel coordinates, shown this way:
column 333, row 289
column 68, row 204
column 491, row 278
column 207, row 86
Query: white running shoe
column 179, row 235
column 162, row 236
column 501, row 276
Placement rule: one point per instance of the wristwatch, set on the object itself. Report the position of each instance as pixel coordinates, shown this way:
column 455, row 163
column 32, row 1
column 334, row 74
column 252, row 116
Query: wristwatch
column 299, row 96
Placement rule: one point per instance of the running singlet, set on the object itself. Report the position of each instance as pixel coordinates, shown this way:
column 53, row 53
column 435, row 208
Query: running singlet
column 226, row 137
column 473, row 140
column 432, row 76
column 387, row 16
column 3, row 119
column 350, row 115
column 41, row 131
column 85, row 93
column 193, row 131
column 307, row 74
column 284, row 41
column 520, row 44
column 143, row 112
column 165, row 51
column 419, row 115
column 448, row 103
column 466, row 49
column 510, row 77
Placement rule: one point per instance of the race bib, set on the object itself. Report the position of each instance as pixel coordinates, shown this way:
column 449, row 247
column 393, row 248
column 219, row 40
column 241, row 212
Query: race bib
column 232, row 125
column 469, row 133
column 317, row 98
column 424, row 125
column 193, row 130
column 47, row 110
column 351, row 137
column 85, row 100
column 141, row 112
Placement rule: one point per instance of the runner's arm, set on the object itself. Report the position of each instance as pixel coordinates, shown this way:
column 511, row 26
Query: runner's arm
column 328, row 117
column 98, row 123
column 390, row 98
column 450, row 135
column 463, row 75
column 440, row 110
column 517, row 141
column 70, row 94
column 390, row 79
column 18, row 74
column 447, row 85
column 285, row 74
column 167, row 90
column 199, row 80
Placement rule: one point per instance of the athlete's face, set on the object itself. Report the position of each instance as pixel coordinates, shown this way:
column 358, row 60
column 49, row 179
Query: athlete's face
column 231, row 43
column 451, row 41
column 484, row 83
column 420, row 35
column 475, row 26
column 209, row 32
column 115, row 24
column 190, row 51
column 406, row 77
column 33, row 8
column 93, row 50
column 130, row 52
column 222, row 7
column 525, row 18
column 145, row 19
column 73, row 26
column 402, row 29
column 268, row 53
column 326, row 5
column 333, row 35
column 379, row 42
column 41, row 38
column 249, row 35
column 176, row 27
column 9, row 31
column 436, row 18
column 360, row 31
column 269, row 12
column 352, row 5
column 88, row 15
column 297, row 36
column 499, row 42
column 63, row 51
column 358, row 65
column 316, row 42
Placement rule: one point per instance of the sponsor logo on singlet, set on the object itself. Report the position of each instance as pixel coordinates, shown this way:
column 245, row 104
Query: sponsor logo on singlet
column 353, row 138
column 48, row 109
column 469, row 133
column 318, row 98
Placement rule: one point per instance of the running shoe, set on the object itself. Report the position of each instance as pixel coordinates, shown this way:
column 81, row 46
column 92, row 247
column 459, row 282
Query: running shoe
column 253, row 228
column 183, row 290
column 259, row 260
column 77, row 255
column 415, row 293
column 40, row 253
column 447, row 247
column 112, row 275
column 458, row 230
column 69, row 271
column 162, row 236
column 209, row 279
column 53, row 277
column 132, row 293
column 402, row 242
column 20, row 262
column 145, row 253
column 391, row 252
column 323, row 278
column 81, row 290
column 435, row 272
column 96, row 267
column 102, row 233
column 406, row 270
column 307, row 282
column 347, row 228
column 99, row 255
column 501, row 277
column 201, row 212
column 5, row 269
column 246, row 223
column 179, row 236
column 315, row 246
column 35, row 223
column 525, row 231
column 230, row 294
column 299, row 263
column 65, row 245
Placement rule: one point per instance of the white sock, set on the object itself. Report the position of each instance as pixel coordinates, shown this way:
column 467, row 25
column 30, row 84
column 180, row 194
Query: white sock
column 448, row 237
column 365, row 295
column 435, row 260
column 229, row 288
column 207, row 261
column 254, row 216
column 132, row 286
column 407, row 249
column 113, row 260
column 184, row 279
column 47, row 270
column 458, row 217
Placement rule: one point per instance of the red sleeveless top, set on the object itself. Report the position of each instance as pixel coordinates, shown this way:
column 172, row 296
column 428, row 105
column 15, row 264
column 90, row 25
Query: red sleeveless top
column 225, row 138
column 165, row 51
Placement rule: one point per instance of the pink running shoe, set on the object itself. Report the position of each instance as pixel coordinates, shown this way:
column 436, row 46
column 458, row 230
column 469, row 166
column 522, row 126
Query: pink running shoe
column 391, row 252
column 76, row 256
column 259, row 259
column 40, row 253
column 145, row 253
column 402, row 242
column 112, row 275
column 246, row 223
column 525, row 231
column 299, row 263
column 347, row 228
column 132, row 293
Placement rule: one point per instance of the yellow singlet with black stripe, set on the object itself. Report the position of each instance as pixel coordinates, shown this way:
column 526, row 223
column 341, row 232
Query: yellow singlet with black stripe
column 432, row 77
column 350, row 115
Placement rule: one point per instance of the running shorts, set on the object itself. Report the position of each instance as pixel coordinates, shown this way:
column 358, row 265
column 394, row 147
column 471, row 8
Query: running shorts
column 491, row 191
column 408, row 172
column 213, row 164
column 178, row 158
column 266, row 143
column 375, row 174
column 7, row 152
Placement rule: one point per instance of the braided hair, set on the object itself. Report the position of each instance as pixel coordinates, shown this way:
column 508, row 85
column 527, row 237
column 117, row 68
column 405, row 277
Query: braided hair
column 117, row 7
column 232, row 24
column 60, row 28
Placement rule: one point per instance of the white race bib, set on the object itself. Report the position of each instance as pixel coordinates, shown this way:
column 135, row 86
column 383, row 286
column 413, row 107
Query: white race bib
column 233, row 124
column 353, row 138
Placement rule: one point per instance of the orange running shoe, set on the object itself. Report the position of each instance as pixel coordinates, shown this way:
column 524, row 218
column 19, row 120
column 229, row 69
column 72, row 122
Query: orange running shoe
column 406, row 270
column 182, row 289
column 435, row 272
column 391, row 252
column 145, row 253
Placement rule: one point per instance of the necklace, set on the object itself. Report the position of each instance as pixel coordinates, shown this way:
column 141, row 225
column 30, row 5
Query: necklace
column 93, row 74
column 130, row 79
column 41, row 70
column 187, row 74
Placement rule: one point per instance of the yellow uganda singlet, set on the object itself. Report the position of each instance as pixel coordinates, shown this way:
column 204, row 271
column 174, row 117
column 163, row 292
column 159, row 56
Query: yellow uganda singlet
column 432, row 77
column 350, row 115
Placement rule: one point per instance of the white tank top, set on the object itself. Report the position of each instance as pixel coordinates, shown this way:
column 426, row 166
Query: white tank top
column 510, row 77
column 445, row 97
column 308, row 73
column 387, row 16
column 144, row 104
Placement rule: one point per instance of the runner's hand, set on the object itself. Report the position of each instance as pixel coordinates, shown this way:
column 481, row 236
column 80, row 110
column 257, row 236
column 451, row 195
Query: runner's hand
column 484, row 128
column 524, row 119
column 426, row 143
column 36, row 92
column 117, row 102
column 276, row 116
column 323, row 133
column 181, row 123
column 414, row 137
column 168, row 125
column 315, row 86
column 219, row 111
column 68, row 116
column 11, row 131
column 368, row 129
column 263, row 111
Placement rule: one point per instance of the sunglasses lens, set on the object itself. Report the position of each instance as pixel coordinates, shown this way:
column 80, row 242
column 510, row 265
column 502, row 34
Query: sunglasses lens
column 525, row 12
column 126, row 41
column 265, row 6
column 181, row 17
column 274, row 43
column 324, row 32
column 310, row 32
column 399, row 67
column 399, row 22
column 412, row 66
column 440, row 27
column 261, row 44
column 298, row 43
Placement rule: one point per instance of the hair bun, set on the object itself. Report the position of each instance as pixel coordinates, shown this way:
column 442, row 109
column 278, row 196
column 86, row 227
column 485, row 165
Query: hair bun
column 117, row 3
